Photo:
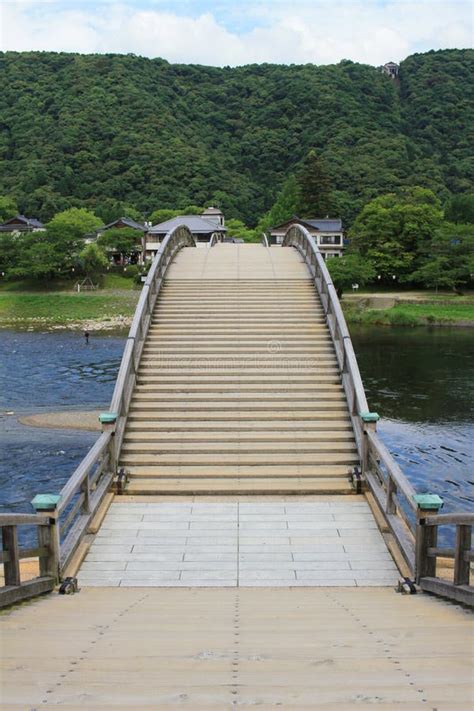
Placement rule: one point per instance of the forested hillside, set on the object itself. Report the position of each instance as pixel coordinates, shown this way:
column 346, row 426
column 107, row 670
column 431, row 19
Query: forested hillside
column 82, row 130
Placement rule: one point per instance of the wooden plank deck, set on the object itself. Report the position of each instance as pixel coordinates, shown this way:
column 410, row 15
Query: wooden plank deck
column 333, row 649
column 331, row 541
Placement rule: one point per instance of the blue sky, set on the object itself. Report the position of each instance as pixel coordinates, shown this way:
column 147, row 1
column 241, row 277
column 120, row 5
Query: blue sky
column 227, row 32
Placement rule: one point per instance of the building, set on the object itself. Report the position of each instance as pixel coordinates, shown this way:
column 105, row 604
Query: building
column 124, row 223
column 202, row 229
column 20, row 223
column 391, row 69
column 328, row 233
column 213, row 214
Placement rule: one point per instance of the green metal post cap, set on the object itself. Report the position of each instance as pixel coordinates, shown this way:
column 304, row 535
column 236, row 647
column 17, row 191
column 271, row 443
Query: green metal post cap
column 428, row 502
column 369, row 416
column 46, row 502
column 107, row 418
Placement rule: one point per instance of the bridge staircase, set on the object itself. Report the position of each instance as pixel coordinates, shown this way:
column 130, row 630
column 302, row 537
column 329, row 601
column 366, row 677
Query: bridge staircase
column 238, row 388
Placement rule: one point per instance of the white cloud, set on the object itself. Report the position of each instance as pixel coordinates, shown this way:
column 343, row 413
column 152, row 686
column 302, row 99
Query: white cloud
column 320, row 31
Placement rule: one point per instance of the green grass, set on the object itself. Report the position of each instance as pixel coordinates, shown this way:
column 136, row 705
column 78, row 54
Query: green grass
column 117, row 281
column 60, row 307
column 413, row 314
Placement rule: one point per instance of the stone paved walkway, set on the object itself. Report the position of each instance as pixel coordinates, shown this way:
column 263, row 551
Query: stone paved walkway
column 326, row 543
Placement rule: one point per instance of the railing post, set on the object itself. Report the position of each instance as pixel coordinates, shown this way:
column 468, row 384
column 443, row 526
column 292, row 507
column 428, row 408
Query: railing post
column 426, row 536
column 369, row 423
column 11, row 566
column 48, row 504
column 49, row 564
column 86, row 505
column 463, row 545
column 390, row 506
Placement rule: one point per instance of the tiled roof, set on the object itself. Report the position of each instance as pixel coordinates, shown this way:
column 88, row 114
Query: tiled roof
column 27, row 222
column 321, row 224
column 195, row 223
column 126, row 221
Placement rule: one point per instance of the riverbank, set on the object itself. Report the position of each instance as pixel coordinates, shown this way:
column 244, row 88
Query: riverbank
column 409, row 309
column 104, row 310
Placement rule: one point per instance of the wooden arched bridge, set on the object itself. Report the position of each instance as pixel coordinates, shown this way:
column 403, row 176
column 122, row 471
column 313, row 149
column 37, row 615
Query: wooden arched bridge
column 239, row 452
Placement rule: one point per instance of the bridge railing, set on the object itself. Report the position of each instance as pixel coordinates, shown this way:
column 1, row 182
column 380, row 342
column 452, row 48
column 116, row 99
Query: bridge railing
column 428, row 554
column 14, row 590
column 81, row 496
column 396, row 498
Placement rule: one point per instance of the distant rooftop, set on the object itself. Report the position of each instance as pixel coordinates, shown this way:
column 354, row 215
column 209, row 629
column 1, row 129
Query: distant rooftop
column 24, row 223
column 126, row 221
column 195, row 223
column 322, row 224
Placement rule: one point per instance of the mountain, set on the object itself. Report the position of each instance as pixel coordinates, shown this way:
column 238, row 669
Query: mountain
column 80, row 130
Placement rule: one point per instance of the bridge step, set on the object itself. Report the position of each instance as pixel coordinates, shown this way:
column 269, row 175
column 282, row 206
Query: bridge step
column 240, row 416
column 242, row 438
column 236, row 485
column 145, row 387
column 143, row 423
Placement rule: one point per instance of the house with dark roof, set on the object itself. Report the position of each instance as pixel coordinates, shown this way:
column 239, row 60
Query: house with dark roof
column 201, row 228
column 328, row 233
column 115, row 256
column 20, row 223
column 122, row 222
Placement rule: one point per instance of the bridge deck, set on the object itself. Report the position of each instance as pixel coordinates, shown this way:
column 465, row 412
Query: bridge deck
column 238, row 389
column 319, row 541
column 305, row 648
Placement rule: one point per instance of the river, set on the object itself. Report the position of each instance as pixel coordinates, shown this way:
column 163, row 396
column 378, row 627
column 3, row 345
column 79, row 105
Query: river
column 420, row 380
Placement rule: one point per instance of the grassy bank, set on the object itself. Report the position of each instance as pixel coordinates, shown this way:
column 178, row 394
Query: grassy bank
column 109, row 307
column 449, row 313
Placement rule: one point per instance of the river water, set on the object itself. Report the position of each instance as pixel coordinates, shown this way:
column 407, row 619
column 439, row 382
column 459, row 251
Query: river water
column 421, row 382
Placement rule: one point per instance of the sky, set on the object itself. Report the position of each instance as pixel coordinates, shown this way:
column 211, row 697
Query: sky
column 236, row 32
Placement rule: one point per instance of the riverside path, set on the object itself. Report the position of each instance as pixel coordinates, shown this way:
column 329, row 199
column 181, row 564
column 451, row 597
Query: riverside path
column 239, row 530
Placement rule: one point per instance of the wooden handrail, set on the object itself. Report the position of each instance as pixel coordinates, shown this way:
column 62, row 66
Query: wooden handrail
column 456, row 519
column 380, row 470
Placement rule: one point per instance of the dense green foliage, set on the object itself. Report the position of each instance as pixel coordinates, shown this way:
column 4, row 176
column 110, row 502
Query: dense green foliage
column 128, row 135
column 405, row 237
column 350, row 269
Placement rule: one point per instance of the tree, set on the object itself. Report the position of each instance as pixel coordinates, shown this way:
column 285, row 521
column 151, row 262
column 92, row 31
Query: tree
column 285, row 207
column 8, row 208
column 192, row 210
column 109, row 210
column 448, row 260
column 10, row 250
column 162, row 215
column 92, row 260
column 236, row 228
column 37, row 259
column 71, row 226
column 314, row 187
column 394, row 229
column 124, row 240
column 435, row 273
column 460, row 209
column 350, row 269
